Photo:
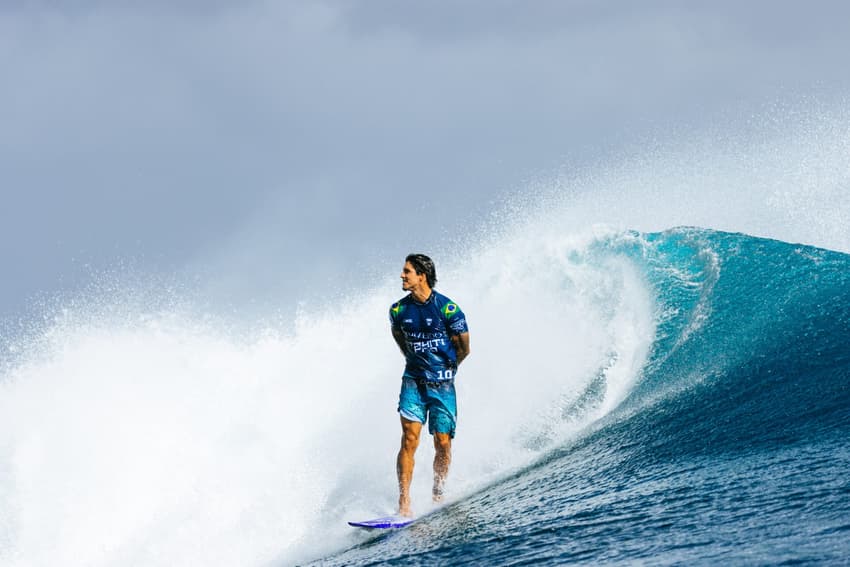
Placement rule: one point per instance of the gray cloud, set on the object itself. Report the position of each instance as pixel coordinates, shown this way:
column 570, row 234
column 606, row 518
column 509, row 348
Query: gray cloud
column 267, row 145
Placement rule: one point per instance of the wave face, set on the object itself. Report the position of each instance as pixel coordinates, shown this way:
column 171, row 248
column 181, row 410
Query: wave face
column 731, row 445
column 678, row 397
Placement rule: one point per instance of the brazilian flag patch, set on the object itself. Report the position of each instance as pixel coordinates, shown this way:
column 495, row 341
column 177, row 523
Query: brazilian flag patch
column 396, row 308
column 449, row 310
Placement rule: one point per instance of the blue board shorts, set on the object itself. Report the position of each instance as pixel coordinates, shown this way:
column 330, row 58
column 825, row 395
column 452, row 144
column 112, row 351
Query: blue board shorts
column 435, row 401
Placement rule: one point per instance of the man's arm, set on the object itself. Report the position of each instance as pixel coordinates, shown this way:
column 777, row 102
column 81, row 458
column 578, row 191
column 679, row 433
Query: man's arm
column 398, row 335
column 461, row 344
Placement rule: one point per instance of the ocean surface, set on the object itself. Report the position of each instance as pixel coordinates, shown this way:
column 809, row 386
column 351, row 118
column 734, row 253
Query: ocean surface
column 731, row 446
column 675, row 397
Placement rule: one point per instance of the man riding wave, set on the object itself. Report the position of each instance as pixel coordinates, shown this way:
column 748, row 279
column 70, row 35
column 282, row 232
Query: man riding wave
column 431, row 331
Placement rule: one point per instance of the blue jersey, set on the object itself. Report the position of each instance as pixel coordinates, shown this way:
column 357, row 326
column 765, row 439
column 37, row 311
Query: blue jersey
column 427, row 329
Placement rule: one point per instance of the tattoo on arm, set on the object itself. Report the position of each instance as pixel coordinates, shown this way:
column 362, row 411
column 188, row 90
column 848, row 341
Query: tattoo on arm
column 461, row 344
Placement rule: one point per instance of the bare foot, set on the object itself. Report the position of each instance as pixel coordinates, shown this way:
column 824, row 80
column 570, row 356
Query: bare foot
column 437, row 493
column 404, row 508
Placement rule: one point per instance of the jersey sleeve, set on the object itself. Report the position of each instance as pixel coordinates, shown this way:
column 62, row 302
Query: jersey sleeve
column 395, row 311
column 455, row 319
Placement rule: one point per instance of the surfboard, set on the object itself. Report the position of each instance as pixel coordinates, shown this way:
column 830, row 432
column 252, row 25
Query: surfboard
column 385, row 523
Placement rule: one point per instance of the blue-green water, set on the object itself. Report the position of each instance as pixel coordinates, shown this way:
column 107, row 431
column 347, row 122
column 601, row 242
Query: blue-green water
column 734, row 446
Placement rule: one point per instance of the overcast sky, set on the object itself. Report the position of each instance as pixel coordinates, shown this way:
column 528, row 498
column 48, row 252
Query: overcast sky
column 276, row 148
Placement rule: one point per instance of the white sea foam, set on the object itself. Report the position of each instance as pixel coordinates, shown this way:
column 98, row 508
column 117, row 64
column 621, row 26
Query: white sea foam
column 155, row 439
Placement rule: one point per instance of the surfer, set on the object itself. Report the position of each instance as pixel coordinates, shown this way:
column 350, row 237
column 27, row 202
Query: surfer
column 431, row 331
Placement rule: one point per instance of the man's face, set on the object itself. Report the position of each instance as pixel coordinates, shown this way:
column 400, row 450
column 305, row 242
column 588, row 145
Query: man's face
column 410, row 279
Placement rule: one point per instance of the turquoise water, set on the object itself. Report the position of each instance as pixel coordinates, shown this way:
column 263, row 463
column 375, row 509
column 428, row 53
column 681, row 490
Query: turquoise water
column 732, row 446
column 680, row 397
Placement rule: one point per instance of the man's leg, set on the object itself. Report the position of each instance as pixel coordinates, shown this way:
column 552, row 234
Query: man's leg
column 410, row 431
column 442, row 460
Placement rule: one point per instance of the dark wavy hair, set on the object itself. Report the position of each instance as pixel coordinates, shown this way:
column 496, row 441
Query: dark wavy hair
column 423, row 265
